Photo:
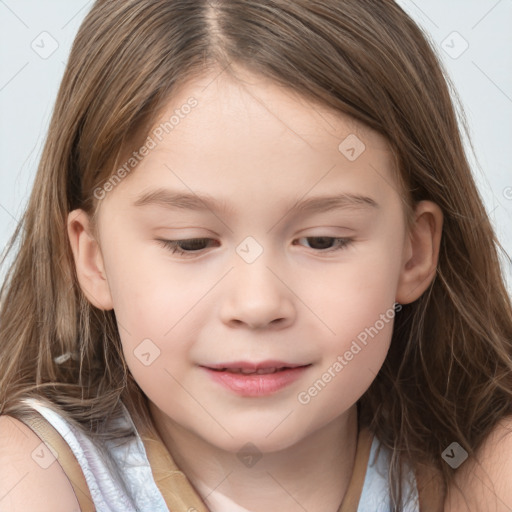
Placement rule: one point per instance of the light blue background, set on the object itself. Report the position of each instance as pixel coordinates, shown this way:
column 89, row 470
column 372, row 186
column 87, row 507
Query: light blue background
column 482, row 75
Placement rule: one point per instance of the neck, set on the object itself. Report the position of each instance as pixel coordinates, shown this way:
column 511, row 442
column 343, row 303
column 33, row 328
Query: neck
column 311, row 475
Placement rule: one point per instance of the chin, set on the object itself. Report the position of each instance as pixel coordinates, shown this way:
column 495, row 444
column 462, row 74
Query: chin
column 259, row 440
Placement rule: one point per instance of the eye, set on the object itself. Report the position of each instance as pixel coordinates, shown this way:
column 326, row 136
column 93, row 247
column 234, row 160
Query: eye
column 324, row 243
column 186, row 247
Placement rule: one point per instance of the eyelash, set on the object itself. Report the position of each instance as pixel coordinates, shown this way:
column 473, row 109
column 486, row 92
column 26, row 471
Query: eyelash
column 174, row 247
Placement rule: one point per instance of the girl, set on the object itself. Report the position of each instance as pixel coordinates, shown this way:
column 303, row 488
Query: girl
column 255, row 273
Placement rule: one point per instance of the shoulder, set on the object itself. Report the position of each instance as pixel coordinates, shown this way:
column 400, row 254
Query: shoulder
column 30, row 477
column 485, row 485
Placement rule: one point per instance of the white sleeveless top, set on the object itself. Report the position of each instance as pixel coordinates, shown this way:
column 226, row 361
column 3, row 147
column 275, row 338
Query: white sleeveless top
column 126, row 484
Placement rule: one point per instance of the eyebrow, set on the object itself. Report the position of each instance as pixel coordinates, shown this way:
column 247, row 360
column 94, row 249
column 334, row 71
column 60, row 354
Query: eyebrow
column 190, row 201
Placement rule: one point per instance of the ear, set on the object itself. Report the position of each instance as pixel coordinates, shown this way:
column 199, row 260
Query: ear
column 88, row 260
column 421, row 252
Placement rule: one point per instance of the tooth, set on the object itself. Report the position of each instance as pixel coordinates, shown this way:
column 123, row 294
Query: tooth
column 246, row 371
column 267, row 370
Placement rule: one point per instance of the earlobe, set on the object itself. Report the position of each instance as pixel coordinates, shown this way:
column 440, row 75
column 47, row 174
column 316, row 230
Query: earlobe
column 421, row 252
column 89, row 263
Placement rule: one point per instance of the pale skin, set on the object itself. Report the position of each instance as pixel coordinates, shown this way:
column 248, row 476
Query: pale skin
column 260, row 149
column 282, row 306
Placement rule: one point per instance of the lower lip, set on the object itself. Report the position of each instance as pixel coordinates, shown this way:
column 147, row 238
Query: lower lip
column 254, row 384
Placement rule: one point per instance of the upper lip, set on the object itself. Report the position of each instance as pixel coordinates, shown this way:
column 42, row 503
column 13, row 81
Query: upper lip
column 247, row 365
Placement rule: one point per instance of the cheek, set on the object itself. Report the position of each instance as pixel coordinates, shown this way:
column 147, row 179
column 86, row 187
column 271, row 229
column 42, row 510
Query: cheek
column 150, row 293
column 352, row 295
column 343, row 380
column 351, row 359
column 356, row 305
column 148, row 312
column 155, row 332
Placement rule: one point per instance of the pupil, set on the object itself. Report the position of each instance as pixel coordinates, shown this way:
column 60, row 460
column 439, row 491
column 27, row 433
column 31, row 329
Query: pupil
column 326, row 240
column 193, row 244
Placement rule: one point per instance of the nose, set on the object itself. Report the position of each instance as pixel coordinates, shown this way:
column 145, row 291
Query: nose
column 256, row 296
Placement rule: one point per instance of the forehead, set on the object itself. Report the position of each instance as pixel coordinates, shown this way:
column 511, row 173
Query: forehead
column 261, row 106
column 226, row 137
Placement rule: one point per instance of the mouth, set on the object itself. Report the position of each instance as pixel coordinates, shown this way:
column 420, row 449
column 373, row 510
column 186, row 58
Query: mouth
column 261, row 371
column 255, row 379
column 250, row 368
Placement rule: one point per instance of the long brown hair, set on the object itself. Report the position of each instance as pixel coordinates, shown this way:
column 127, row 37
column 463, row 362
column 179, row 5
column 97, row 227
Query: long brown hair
column 447, row 374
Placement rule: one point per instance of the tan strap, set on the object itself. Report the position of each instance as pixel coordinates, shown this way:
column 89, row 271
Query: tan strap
column 177, row 491
column 431, row 489
column 65, row 456
column 350, row 502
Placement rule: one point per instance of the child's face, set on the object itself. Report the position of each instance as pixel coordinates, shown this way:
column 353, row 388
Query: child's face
column 262, row 287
